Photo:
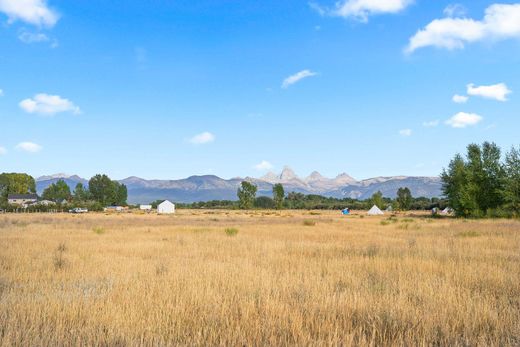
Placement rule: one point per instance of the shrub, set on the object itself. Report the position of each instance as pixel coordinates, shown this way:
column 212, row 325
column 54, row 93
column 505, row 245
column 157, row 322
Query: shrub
column 309, row 223
column 231, row 231
column 99, row 230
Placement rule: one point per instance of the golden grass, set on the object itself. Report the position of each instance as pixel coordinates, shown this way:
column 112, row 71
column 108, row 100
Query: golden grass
column 119, row 280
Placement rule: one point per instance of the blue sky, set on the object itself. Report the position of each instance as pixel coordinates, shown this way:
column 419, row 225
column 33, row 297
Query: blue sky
column 168, row 89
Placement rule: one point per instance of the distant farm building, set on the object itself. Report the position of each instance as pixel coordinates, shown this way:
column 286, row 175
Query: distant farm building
column 145, row 207
column 22, row 199
column 375, row 211
column 166, row 207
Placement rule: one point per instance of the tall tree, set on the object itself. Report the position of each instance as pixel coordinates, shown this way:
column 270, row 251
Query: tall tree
column 512, row 180
column 16, row 183
column 404, row 199
column 377, row 199
column 102, row 189
column 80, row 193
column 278, row 195
column 493, row 180
column 246, row 195
column 58, row 191
column 121, row 193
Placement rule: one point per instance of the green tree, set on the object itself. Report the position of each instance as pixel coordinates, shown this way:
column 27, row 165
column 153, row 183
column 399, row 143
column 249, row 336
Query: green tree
column 101, row 189
column 377, row 199
column 57, row 191
column 278, row 195
column 80, row 193
column 512, row 181
column 246, row 195
column 121, row 193
column 264, row 202
column 15, row 183
column 404, row 199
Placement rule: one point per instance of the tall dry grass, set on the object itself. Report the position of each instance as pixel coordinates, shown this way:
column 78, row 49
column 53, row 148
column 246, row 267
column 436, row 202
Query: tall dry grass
column 182, row 280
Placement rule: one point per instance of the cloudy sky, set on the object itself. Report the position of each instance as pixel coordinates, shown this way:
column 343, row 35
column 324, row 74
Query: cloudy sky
column 167, row 89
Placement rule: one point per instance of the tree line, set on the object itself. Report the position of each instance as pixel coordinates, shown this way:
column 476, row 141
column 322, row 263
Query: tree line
column 248, row 199
column 100, row 192
column 484, row 183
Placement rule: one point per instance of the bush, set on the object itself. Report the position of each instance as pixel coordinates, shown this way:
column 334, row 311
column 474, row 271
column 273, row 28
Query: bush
column 309, row 223
column 231, row 231
column 98, row 230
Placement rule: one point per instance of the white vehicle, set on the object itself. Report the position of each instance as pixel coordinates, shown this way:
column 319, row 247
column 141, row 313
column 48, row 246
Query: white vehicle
column 78, row 210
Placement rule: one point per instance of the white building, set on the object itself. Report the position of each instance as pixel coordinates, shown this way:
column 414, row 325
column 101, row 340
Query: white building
column 166, row 207
column 145, row 207
column 22, row 199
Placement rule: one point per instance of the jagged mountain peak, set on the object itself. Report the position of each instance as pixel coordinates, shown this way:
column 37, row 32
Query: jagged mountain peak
column 315, row 176
column 287, row 174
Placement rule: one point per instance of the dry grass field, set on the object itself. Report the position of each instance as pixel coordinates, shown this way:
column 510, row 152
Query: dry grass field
column 232, row 278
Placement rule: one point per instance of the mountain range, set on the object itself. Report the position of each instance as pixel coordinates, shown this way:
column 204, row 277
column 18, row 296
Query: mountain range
column 210, row 187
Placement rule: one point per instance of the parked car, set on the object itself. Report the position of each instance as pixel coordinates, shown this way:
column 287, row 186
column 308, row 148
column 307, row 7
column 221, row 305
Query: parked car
column 78, row 210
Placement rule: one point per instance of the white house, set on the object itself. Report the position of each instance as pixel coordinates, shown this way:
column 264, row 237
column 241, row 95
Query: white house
column 166, row 207
column 22, row 199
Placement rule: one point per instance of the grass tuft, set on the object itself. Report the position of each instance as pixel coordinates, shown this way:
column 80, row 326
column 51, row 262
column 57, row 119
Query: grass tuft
column 231, row 231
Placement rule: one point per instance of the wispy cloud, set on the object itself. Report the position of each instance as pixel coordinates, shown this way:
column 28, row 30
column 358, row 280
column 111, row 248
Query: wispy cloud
column 48, row 105
column 463, row 120
column 3, row 151
column 202, row 138
column 500, row 22
column 405, row 132
column 362, row 9
column 34, row 12
column 263, row 165
column 459, row 99
column 297, row 77
column 497, row 92
column 1, row 92
column 455, row 10
column 29, row 37
column 29, row 147
column 431, row 124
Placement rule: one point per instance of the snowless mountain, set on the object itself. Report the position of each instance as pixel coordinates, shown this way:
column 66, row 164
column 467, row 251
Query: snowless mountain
column 210, row 187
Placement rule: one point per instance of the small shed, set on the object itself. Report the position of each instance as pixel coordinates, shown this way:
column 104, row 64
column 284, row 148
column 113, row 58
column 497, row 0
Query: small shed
column 145, row 207
column 166, row 207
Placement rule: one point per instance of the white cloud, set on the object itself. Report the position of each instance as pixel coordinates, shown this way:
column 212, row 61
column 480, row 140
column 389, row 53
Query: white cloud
column 1, row 92
column 362, row 9
column 297, row 77
column 29, row 147
column 455, row 10
column 48, row 105
column 34, row 12
column 431, row 124
column 496, row 92
column 28, row 37
column 3, row 151
column 203, row 138
column 405, row 132
column 264, row 165
column 459, row 99
column 463, row 120
column 500, row 22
